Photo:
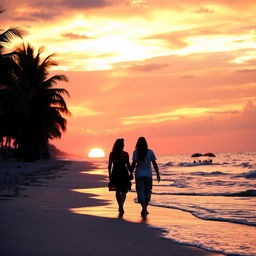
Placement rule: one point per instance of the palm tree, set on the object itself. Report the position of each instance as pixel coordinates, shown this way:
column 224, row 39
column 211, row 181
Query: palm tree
column 31, row 108
column 10, row 98
column 44, row 103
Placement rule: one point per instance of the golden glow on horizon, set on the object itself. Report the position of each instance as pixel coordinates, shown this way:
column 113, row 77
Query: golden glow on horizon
column 96, row 153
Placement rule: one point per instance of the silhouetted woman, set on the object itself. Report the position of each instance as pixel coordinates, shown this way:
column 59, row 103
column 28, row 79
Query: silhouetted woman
column 142, row 159
column 119, row 175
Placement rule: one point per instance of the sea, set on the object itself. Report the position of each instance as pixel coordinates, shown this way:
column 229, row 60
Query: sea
column 222, row 192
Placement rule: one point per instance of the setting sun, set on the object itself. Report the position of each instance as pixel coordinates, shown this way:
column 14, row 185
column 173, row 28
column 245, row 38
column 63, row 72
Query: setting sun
column 96, row 152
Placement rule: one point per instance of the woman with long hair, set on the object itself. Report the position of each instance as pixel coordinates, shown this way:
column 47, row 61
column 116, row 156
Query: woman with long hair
column 119, row 173
column 142, row 159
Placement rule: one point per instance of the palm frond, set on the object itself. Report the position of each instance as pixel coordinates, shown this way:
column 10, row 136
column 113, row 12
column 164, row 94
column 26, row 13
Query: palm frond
column 9, row 34
column 53, row 80
column 62, row 110
column 46, row 64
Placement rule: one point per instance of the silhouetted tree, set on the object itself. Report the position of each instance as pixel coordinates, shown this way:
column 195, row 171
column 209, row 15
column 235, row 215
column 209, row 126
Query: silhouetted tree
column 11, row 103
column 31, row 108
column 45, row 103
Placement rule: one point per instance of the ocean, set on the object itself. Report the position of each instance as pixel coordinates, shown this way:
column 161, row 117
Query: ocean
column 221, row 191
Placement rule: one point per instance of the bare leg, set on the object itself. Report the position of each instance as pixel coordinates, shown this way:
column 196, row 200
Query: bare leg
column 147, row 193
column 120, row 197
column 122, row 200
column 123, row 197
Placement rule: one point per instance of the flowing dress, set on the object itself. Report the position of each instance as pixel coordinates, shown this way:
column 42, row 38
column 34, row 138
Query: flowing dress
column 119, row 177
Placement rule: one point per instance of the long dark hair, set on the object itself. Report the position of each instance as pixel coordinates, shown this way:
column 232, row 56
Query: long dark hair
column 142, row 147
column 118, row 146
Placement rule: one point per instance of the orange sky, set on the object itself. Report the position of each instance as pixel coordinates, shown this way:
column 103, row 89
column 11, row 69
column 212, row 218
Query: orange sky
column 181, row 74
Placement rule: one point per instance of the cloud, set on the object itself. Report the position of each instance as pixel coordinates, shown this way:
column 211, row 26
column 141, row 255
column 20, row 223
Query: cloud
column 75, row 36
column 176, row 114
column 249, row 107
column 44, row 15
column 106, row 55
column 147, row 67
column 139, row 3
column 85, row 4
column 246, row 70
column 188, row 77
column 175, row 39
column 33, row 10
column 207, row 125
column 70, row 4
column 240, row 41
column 80, row 111
column 224, row 112
column 221, row 114
column 179, row 39
column 21, row 18
column 204, row 10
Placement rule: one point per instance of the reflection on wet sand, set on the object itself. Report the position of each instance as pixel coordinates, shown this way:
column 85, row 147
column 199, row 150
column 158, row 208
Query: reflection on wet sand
column 156, row 217
column 96, row 171
column 132, row 210
column 174, row 223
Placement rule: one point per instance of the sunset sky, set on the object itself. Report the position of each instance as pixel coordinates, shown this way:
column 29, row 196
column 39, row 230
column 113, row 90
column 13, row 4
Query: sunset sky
column 180, row 73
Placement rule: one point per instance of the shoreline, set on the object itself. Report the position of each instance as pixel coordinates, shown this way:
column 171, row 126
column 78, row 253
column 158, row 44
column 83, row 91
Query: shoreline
column 47, row 212
column 132, row 215
column 172, row 222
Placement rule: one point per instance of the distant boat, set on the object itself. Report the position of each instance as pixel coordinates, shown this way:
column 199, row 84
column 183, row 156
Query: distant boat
column 209, row 154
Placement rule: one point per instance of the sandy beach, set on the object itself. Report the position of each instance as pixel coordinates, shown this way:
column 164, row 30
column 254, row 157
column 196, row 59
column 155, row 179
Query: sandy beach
column 60, row 217
column 15, row 176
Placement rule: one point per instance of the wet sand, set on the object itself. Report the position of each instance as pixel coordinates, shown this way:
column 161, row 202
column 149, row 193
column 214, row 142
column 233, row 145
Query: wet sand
column 56, row 219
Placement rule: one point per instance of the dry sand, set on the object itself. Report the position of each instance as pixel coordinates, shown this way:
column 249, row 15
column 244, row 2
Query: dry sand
column 43, row 222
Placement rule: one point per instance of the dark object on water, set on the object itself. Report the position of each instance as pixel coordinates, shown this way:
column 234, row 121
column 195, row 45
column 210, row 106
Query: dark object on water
column 209, row 154
column 196, row 155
